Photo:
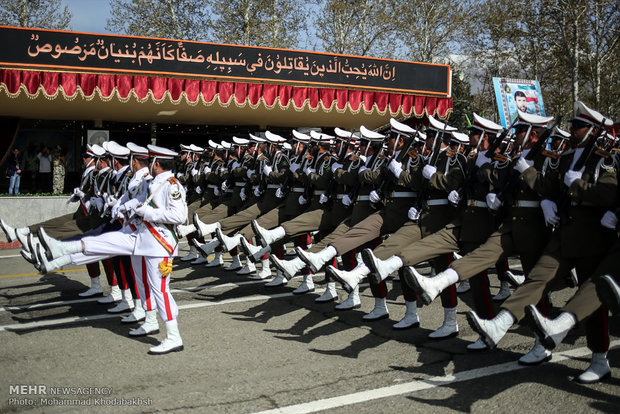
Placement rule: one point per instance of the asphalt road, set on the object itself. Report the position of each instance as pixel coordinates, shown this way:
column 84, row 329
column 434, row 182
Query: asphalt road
column 251, row 349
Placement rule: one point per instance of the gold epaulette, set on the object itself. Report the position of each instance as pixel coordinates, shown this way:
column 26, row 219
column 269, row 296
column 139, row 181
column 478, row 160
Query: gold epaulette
column 173, row 180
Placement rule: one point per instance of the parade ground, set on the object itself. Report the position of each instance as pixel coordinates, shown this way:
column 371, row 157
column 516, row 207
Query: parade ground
column 252, row 349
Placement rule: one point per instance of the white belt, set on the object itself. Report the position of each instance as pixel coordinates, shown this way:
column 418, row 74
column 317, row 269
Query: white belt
column 318, row 192
column 402, row 194
column 527, row 204
column 476, row 203
column 273, row 186
column 240, row 184
column 363, row 198
column 211, row 186
column 340, row 196
column 298, row 190
column 437, row 202
column 581, row 204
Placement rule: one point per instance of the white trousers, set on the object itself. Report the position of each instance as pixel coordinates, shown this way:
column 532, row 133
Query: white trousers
column 151, row 285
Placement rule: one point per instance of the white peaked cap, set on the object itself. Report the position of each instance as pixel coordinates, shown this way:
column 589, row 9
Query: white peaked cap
column 137, row 150
column 257, row 138
column 371, row 135
column 438, row 125
column 400, row 127
column 274, row 138
column 196, row 148
column 97, row 150
column 460, row 138
column 240, row 141
column 161, row 152
column 300, row 136
column 486, row 124
column 585, row 114
column 117, row 150
column 533, row 119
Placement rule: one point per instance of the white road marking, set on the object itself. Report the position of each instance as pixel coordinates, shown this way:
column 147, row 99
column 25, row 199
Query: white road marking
column 419, row 385
column 9, row 256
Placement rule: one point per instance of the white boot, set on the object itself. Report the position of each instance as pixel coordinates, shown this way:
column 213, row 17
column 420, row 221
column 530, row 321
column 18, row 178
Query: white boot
column 537, row 355
column 449, row 328
column 277, row 281
column 266, row 237
column 288, row 267
column 95, row 288
column 428, row 288
column 55, row 248
column 411, row 319
column 218, row 260
column 207, row 248
column 599, row 369
column 125, row 304
column 316, row 260
column 380, row 311
column 235, row 265
column 351, row 279
column 551, row 331
column 137, row 315
column 192, row 255
column 149, row 327
column 172, row 342
column 248, row 269
column 46, row 266
column 265, row 273
column 203, row 229
column 504, row 292
column 381, row 269
column 491, row 331
column 330, row 294
column 515, row 280
column 307, row 286
column 114, row 296
column 463, row 287
column 22, row 235
column 352, row 302
column 228, row 243
column 199, row 260
column 8, row 231
column 184, row 230
column 477, row 346
column 249, row 249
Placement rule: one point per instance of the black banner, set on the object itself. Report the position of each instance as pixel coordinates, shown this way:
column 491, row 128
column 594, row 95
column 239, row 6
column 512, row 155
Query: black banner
column 38, row 48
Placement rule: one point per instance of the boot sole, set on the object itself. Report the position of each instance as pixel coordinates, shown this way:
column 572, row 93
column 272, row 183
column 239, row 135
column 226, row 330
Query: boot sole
column 155, row 332
column 387, row 315
column 257, row 233
column 348, row 309
column 131, row 322
column 532, row 364
column 368, row 260
column 119, row 311
column 302, row 256
column 404, row 328
column 325, row 301
column 304, row 292
column 532, row 322
column 175, row 349
column 473, row 322
column 604, row 377
column 48, row 254
column 274, row 286
column 440, row 338
column 412, row 282
column 347, row 288
column 234, row 269
column 279, row 266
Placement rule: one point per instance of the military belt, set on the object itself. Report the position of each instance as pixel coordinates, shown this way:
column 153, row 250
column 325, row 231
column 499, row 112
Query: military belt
column 318, row 192
column 273, row 186
column 363, row 198
column 581, row 204
column 298, row 190
column 437, row 202
column 476, row 203
column 240, row 184
column 527, row 204
column 211, row 186
column 403, row 194
column 340, row 196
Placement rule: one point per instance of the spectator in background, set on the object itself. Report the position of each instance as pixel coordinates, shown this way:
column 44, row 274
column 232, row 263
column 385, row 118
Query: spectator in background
column 44, row 178
column 14, row 171
column 59, row 169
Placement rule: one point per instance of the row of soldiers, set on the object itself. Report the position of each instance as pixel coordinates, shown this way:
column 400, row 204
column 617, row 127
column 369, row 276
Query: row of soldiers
column 531, row 190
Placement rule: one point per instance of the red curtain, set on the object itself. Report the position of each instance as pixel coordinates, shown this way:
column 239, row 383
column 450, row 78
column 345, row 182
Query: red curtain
column 243, row 92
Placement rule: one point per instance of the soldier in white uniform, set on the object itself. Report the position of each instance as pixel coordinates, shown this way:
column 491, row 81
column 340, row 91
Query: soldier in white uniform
column 152, row 245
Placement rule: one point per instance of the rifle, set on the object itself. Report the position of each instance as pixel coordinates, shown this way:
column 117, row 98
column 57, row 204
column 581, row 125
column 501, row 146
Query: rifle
column 333, row 185
column 497, row 142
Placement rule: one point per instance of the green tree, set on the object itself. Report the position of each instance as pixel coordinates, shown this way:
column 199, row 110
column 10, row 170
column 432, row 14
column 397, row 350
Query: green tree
column 44, row 14
column 173, row 19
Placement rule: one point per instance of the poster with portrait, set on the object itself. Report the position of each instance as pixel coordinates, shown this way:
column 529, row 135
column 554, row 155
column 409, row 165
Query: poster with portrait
column 517, row 94
column 97, row 136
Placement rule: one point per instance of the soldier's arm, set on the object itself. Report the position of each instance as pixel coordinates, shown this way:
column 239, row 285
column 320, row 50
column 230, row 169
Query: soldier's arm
column 175, row 212
column 450, row 181
column 602, row 193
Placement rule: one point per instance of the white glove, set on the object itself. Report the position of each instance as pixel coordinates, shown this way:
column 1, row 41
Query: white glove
column 302, row 200
column 609, row 220
column 198, row 190
column 235, row 165
column 571, row 176
column 413, row 214
column 279, row 192
column 206, row 170
column 179, row 174
column 224, row 186
column 374, row 197
column 428, row 171
column 242, row 194
column 129, row 205
column 550, row 211
column 267, row 170
column 114, row 212
column 294, row 167
column 454, row 197
column 523, row 164
column 362, row 168
column 395, row 168
column 493, row 201
column 249, row 173
column 257, row 191
column 363, row 158
column 481, row 159
column 97, row 202
column 140, row 210
column 78, row 193
column 346, row 200
column 323, row 199
column 309, row 170
column 335, row 166
column 194, row 171
column 216, row 192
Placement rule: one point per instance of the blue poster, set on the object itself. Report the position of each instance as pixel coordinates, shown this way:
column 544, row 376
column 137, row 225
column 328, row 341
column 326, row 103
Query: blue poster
column 517, row 94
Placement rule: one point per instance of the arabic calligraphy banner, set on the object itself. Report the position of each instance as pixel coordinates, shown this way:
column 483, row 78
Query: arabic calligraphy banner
column 109, row 53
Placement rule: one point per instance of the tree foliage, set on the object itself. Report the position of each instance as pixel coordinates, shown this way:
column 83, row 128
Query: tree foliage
column 172, row 19
column 43, row 14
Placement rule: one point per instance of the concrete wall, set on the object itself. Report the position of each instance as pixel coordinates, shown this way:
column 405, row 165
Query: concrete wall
column 26, row 211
